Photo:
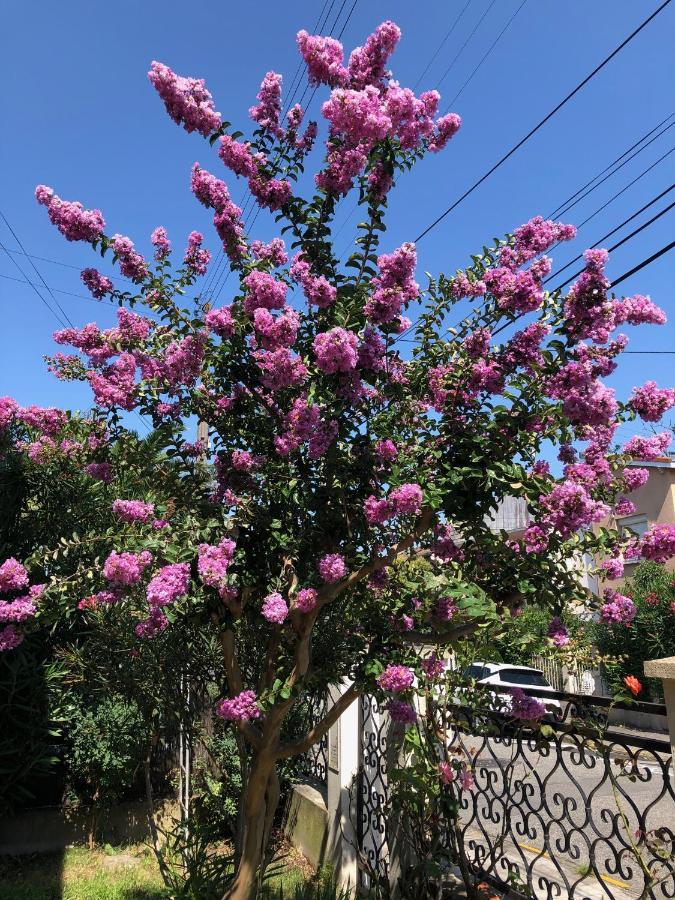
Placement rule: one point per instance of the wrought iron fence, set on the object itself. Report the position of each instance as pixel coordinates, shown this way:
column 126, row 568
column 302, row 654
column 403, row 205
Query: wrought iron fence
column 576, row 811
column 315, row 762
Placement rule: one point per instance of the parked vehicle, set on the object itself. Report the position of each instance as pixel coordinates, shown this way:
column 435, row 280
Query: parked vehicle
column 504, row 675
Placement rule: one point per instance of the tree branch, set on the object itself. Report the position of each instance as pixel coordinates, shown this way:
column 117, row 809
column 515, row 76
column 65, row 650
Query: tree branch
column 317, row 732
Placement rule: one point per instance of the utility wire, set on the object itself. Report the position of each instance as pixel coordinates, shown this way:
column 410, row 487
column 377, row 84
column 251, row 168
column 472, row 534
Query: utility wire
column 613, row 231
column 35, row 268
column 448, row 33
column 643, row 264
column 644, row 137
column 543, row 121
column 464, row 45
column 484, row 57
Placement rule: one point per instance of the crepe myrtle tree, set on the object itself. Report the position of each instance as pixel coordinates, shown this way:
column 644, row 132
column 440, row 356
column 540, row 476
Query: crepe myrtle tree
column 351, row 486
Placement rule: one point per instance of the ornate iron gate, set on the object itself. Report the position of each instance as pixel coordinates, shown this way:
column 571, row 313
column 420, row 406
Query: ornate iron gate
column 372, row 792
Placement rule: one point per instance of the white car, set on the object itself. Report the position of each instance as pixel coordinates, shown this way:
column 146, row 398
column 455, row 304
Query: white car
column 506, row 676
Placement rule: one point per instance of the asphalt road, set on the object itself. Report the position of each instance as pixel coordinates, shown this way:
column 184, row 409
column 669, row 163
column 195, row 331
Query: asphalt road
column 562, row 813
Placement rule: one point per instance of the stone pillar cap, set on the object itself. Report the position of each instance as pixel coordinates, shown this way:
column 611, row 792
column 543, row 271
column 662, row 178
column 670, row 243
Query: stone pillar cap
column 661, row 668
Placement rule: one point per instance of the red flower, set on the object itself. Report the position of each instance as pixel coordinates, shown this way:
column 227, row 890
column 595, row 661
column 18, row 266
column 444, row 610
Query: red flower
column 632, row 684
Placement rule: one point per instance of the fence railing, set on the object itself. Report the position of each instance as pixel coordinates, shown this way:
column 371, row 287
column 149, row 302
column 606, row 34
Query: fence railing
column 578, row 810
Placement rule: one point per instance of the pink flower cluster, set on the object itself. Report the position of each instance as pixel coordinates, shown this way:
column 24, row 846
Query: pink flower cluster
column 523, row 707
column 651, row 402
column 237, row 157
column 133, row 510
column 336, row 350
column 324, row 58
column 169, row 584
column 658, row 543
column 613, row 568
column 558, row 632
column 332, row 567
column 617, row 608
column 303, row 423
column 125, row 569
column 220, row 321
column 401, row 713
column 195, row 257
column 433, row 667
column 280, row 369
column 263, row 291
column 445, row 609
column 132, row 264
column 13, row 576
column 115, row 385
column 305, row 600
column 568, row 507
column 213, row 562
column 268, row 110
column 160, row 241
column 213, row 193
column 274, row 609
column 100, row 471
column 534, row 237
column 394, row 287
column 242, row 708
column 187, row 100
column 73, row 221
column 396, row 679
column 98, row 285
column 274, row 252
column 647, row 448
column 404, row 500
column 8, row 409
column 386, row 450
column 276, row 332
column 155, row 624
column 317, row 290
column 444, row 546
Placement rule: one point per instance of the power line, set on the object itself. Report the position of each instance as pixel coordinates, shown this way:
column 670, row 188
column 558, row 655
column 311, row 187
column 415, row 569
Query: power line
column 613, row 231
column 644, row 137
column 546, row 118
column 643, row 264
column 485, row 56
column 464, row 45
column 573, row 203
column 35, row 268
column 35, row 288
column 442, row 44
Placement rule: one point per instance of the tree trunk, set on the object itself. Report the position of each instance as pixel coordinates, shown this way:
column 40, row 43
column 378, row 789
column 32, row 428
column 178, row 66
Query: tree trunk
column 260, row 802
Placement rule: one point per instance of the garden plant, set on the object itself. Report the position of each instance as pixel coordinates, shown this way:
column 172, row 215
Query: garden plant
column 340, row 514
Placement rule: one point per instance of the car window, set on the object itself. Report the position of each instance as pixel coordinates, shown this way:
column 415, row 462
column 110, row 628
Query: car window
column 523, row 676
column 475, row 671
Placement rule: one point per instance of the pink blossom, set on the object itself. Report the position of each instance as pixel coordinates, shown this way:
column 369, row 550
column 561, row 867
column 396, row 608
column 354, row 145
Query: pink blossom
column 433, row 667
column 535, row 539
column 160, row 241
column 276, row 332
column 332, row 567
column 274, row 609
column 126, row 568
column 568, row 507
column 155, row 624
column 647, row 448
column 634, row 478
column 13, row 576
column 446, row 772
column 280, row 369
column 9, row 638
column 406, row 499
column 367, row 63
column 213, row 562
column 558, row 632
column 377, row 512
column 237, row 157
column 133, row 510
column 47, row 420
column 658, row 543
column 386, row 450
column 271, row 193
column 187, row 100
column 220, row 321
column 8, row 409
column 336, row 350
column 402, row 713
column 209, row 190
column 268, row 110
column 445, row 609
column 651, row 402
column 624, row 506
column 73, row 221
column 305, row 600
column 115, row 385
column 274, row 252
column 169, row 584
column 617, row 608
column 396, row 679
column 613, row 568
column 344, row 163
column 639, row 310
column 195, row 258
column 132, row 264
column 264, row 291
column 323, row 57
column 394, row 287
column 182, row 361
column 242, row 708
column 444, row 546
column 99, row 285
column 446, row 128
column 524, row 707
column 317, row 290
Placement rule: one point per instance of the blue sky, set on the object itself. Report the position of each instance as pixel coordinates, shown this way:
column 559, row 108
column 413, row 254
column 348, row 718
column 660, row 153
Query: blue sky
column 81, row 116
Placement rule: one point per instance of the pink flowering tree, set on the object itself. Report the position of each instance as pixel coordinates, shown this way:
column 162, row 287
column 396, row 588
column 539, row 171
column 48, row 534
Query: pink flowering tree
column 348, row 487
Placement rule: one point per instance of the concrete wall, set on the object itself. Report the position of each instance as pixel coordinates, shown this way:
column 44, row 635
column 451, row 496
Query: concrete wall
column 45, row 830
